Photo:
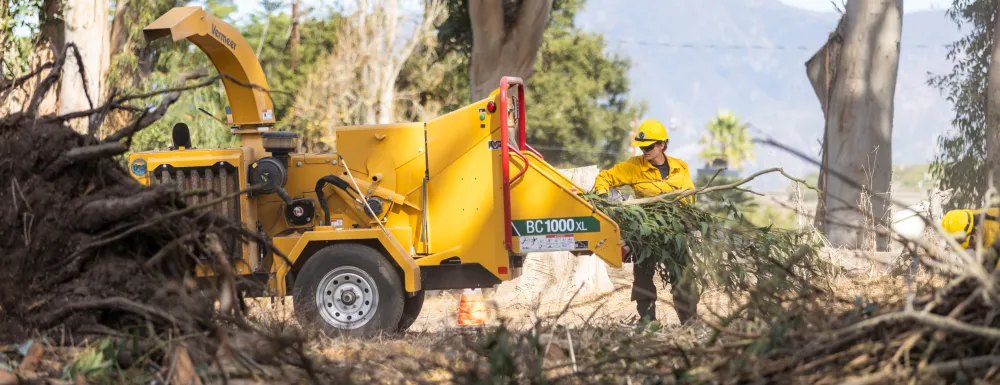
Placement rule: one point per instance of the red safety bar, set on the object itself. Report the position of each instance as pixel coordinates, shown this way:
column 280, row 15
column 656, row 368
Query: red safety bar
column 505, row 83
column 528, row 147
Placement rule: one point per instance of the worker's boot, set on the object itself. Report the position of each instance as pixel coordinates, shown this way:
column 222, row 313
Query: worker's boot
column 686, row 298
column 646, row 309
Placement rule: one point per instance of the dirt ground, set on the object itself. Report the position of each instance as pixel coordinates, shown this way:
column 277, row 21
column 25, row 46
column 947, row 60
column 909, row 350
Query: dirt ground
column 440, row 311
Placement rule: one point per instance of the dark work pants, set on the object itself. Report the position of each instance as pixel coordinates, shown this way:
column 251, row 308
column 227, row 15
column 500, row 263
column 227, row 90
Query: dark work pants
column 683, row 288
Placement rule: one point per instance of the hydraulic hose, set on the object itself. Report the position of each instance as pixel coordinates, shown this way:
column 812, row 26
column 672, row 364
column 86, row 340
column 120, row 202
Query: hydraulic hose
column 337, row 182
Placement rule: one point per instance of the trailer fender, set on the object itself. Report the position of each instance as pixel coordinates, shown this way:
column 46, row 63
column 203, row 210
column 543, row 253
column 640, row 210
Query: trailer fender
column 299, row 247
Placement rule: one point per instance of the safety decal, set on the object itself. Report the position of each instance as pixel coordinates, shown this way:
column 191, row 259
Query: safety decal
column 547, row 243
column 494, row 145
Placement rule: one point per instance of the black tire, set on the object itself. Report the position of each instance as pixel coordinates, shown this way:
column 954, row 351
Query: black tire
column 374, row 273
column 411, row 310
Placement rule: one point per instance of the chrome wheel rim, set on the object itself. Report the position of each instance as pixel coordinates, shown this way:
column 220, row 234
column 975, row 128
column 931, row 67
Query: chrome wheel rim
column 347, row 298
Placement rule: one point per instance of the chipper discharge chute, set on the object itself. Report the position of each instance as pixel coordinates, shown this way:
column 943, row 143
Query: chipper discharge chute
column 456, row 202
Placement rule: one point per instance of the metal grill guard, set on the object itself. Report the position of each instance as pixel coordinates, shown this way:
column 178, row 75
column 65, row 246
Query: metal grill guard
column 221, row 178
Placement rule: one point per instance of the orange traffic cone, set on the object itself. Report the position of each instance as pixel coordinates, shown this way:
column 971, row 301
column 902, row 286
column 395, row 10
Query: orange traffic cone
column 472, row 308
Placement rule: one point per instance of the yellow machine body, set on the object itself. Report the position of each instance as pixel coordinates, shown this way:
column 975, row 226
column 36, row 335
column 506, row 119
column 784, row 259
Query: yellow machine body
column 441, row 185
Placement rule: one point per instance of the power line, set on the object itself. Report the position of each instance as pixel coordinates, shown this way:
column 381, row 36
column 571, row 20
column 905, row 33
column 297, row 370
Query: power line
column 778, row 47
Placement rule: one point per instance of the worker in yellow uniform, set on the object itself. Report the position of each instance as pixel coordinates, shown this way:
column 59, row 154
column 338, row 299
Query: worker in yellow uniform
column 963, row 225
column 650, row 174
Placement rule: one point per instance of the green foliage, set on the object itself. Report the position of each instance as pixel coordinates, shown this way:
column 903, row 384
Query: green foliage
column 149, row 66
column 961, row 163
column 15, row 51
column 316, row 39
column 727, row 138
column 770, row 216
column 725, row 202
column 94, row 362
column 578, row 112
column 772, row 264
column 911, row 177
column 509, row 356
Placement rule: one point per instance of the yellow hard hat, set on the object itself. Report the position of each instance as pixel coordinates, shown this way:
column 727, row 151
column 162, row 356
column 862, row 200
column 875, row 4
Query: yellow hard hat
column 958, row 223
column 650, row 131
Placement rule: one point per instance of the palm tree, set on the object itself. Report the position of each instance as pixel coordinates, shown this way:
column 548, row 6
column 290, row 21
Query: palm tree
column 727, row 138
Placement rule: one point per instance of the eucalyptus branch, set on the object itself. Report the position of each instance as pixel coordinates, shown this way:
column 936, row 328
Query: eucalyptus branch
column 681, row 194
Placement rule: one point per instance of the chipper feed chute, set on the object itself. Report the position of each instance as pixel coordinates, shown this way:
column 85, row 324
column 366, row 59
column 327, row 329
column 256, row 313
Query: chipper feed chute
column 490, row 194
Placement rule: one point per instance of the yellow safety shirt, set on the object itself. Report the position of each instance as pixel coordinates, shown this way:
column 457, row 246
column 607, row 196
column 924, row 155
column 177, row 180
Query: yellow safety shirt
column 645, row 178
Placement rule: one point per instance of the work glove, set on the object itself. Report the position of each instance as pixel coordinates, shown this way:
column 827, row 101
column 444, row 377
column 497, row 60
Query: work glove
column 616, row 196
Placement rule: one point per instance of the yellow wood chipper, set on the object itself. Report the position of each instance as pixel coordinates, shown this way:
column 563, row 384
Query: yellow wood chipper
column 398, row 209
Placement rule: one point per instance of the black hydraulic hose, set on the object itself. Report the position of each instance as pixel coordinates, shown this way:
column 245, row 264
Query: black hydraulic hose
column 284, row 195
column 337, row 182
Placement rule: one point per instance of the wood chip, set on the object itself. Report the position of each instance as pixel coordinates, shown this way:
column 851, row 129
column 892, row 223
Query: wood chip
column 7, row 378
column 183, row 370
column 31, row 360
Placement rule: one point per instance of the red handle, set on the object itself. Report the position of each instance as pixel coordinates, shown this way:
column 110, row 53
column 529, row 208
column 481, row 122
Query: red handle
column 533, row 151
column 520, row 174
column 505, row 83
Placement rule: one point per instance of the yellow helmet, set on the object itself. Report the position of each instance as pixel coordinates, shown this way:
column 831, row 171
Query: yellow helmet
column 958, row 223
column 650, row 131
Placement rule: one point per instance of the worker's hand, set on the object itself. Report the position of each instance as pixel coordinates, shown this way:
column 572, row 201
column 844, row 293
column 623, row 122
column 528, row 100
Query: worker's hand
column 616, row 196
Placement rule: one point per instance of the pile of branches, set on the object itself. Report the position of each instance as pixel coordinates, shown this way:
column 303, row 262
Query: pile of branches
column 89, row 251
column 788, row 331
column 768, row 267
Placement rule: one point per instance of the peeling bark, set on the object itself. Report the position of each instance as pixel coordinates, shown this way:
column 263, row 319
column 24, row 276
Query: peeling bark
column 506, row 36
column 859, row 123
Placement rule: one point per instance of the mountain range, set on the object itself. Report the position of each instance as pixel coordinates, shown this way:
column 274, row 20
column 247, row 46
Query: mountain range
column 692, row 58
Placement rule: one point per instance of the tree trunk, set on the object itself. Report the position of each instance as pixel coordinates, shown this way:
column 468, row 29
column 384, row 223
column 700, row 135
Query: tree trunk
column 821, row 70
column 85, row 24
column 506, row 36
column 993, row 110
column 859, row 123
column 119, row 34
column 293, row 41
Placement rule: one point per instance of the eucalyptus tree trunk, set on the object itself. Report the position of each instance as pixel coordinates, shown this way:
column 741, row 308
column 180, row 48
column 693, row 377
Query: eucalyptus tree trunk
column 822, row 70
column 993, row 111
column 859, row 122
column 85, row 24
column 506, row 35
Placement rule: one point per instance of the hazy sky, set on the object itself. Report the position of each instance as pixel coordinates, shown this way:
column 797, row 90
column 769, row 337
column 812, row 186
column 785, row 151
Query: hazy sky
column 908, row 5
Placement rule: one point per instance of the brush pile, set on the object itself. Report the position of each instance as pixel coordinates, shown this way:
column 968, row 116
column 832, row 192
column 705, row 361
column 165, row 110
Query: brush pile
column 86, row 247
column 775, row 266
column 951, row 335
column 88, row 252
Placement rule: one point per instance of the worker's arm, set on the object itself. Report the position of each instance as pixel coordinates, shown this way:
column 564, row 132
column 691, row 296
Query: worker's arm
column 688, row 184
column 609, row 178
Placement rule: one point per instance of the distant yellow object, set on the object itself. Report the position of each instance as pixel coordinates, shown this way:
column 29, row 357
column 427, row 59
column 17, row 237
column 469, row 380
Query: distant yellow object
column 644, row 177
column 650, row 131
column 962, row 224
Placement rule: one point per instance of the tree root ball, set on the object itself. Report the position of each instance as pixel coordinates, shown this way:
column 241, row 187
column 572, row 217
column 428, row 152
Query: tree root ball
column 77, row 233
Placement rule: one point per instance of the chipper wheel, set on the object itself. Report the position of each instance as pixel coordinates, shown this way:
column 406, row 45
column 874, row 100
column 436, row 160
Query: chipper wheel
column 411, row 310
column 349, row 289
